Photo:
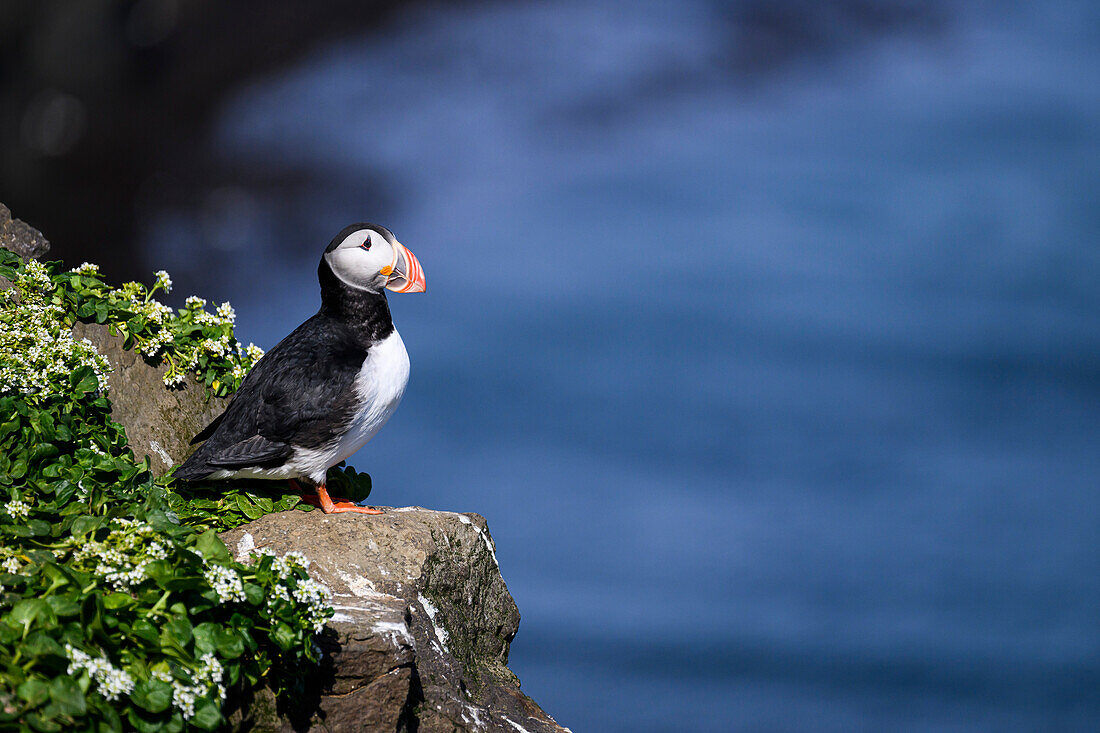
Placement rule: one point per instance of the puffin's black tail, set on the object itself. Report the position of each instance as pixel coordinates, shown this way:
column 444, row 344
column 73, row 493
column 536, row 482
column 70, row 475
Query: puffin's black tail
column 193, row 469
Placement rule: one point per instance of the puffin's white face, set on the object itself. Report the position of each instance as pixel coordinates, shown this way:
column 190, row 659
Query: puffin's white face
column 370, row 258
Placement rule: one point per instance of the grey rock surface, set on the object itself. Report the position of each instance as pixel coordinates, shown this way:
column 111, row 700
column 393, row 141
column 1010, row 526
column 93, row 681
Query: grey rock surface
column 422, row 628
column 20, row 237
column 159, row 422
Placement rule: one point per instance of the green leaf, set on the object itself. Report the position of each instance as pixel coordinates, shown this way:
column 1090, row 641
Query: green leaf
column 145, row 630
column 177, row 631
column 211, row 546
column 250, row 510
column 160, row 572
column 33, row 610
column 91, row 616
column 207, row 716
column 42, row 724
column 206, row 637
column 145, row 722
column 67, row 696
column 254, row 594
column 153, row 695
column 114, row 601
column 84, row 524
column 40, row 644
column 34, row 691
column 38, row 527
column 230, row 643
column 64, row 605
column 83, row 380
column 284, row 636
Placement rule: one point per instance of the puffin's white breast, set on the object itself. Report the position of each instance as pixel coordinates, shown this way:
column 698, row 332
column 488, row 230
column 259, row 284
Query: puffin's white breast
column 379, row 387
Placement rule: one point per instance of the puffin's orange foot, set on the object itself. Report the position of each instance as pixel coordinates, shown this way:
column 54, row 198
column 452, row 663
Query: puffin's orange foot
column 334, row 506
column 337, row 506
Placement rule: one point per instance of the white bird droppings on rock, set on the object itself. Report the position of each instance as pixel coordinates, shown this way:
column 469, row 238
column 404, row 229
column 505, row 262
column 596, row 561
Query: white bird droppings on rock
column 484, row 536
column 513, row 723
column 432, row 611
column 245, row 545
column 398, row 633
column 155, row 447
column 358, row 585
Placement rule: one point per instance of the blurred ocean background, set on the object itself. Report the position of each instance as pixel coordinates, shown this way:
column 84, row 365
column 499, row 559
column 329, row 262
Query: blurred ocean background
column 766, row 337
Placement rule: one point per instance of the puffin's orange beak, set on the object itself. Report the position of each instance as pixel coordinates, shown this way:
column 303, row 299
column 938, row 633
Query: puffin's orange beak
column 406, row 275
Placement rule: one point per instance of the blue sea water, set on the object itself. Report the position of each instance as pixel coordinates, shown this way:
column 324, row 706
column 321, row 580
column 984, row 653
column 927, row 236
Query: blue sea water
column 779, row 384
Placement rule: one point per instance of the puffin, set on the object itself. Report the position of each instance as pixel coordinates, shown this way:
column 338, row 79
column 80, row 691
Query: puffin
column 327, row 388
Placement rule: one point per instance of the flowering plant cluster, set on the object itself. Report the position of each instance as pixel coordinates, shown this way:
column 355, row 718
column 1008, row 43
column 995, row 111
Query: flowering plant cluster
column 189, row 341
column 33, row 331
column 119, row 606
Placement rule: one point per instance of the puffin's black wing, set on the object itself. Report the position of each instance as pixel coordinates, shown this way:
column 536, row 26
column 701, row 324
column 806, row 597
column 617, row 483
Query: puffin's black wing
column 208, row 430
column 300, row 394
column 256, row 451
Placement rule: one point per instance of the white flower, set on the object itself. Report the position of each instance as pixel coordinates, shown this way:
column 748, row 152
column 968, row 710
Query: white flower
column 218, row 347
column 226, row 313
column 157, row 311
column 278, row 593
column 193, row 301
column 158, row 342
column 226, row 583
column 36, row 277
column 158, row 551
column 11, row 565
column 254, row 352
column 163, row 281
column 208, row 678
column 183, row 698
column 110, row 680
column 120, row 559
column 86, row 268
column 298, row 559
column 207, row 319
column 315, row 597
column 37, row 350
column 16, row 508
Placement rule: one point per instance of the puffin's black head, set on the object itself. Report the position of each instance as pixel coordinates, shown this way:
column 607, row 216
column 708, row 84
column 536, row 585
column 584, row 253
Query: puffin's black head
column 368, row 257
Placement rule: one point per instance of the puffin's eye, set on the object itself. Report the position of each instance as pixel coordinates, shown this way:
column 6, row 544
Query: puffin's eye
column 366, row 243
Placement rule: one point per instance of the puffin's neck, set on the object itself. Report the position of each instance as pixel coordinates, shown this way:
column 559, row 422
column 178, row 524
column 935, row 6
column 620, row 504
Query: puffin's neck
column 366, row 313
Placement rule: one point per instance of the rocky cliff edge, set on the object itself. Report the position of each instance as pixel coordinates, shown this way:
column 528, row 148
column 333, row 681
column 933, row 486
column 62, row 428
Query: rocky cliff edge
column 423, row 617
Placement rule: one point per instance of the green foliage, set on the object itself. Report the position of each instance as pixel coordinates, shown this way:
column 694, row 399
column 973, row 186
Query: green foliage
column 119, row 606
column 189, row 340
column 224, row 505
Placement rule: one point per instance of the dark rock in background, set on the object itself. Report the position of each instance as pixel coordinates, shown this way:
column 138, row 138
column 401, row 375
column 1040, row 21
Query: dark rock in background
column 20, row 237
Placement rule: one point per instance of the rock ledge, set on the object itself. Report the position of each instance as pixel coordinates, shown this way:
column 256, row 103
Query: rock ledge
column 422, row 627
